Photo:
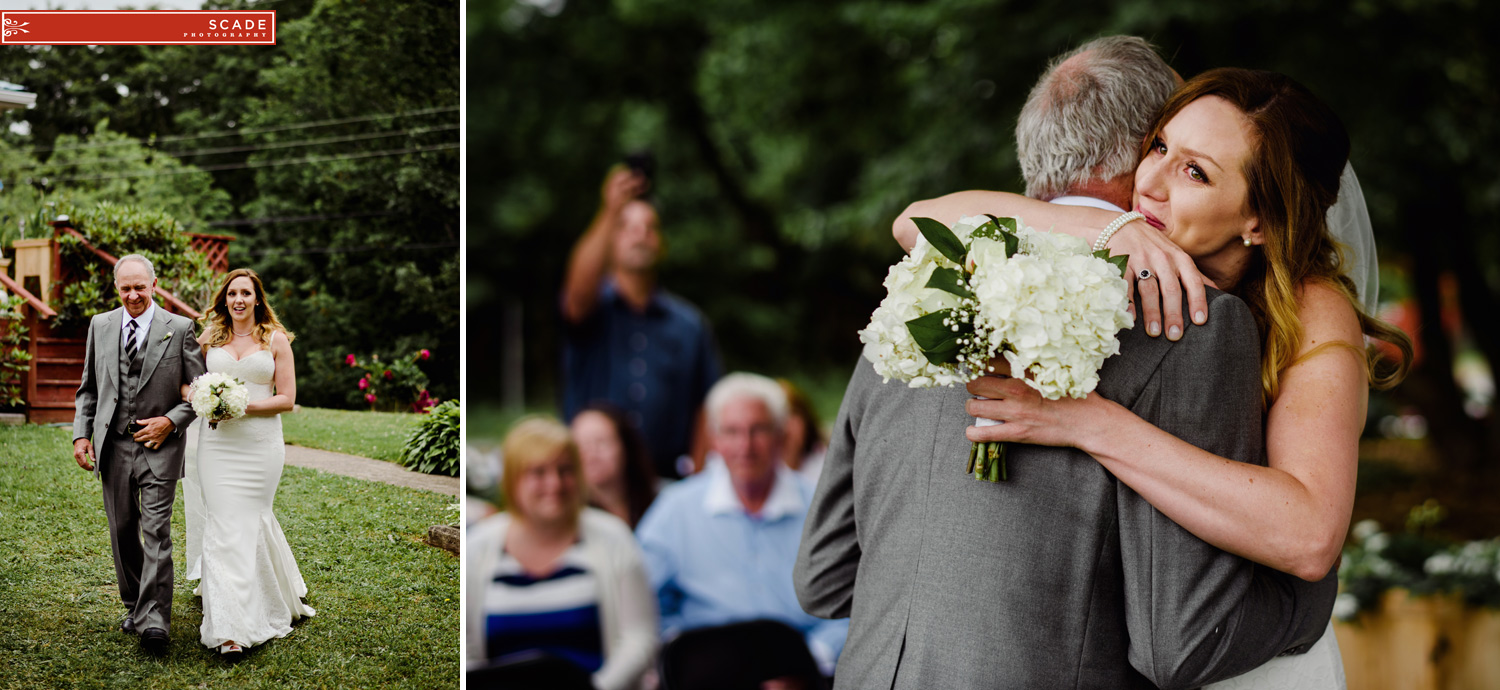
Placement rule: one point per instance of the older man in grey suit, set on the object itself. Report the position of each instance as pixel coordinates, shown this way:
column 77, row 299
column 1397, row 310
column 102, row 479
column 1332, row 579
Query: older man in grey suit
column 1061, row 577
column 130, row 408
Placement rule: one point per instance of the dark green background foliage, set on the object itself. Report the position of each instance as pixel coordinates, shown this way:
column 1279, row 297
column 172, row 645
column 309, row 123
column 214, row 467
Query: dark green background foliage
column 789, row 135
column 362, row 253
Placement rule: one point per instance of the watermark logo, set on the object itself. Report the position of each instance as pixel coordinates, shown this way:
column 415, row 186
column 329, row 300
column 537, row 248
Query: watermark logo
column 138, row 27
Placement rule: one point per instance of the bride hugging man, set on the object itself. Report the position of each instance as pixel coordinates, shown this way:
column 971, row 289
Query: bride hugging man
column 129, row 429
column 1178, row 527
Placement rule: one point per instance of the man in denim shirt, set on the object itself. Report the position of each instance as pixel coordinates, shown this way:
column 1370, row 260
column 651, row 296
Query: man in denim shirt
column 626, row 340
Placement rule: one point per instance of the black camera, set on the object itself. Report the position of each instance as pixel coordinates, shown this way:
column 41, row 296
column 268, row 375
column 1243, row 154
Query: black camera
column 643, row 163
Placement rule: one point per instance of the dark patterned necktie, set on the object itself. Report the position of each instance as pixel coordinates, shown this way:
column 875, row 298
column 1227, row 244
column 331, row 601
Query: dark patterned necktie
column 130, row 342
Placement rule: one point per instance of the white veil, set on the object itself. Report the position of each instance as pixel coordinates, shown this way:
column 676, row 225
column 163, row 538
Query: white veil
column 1349, row 223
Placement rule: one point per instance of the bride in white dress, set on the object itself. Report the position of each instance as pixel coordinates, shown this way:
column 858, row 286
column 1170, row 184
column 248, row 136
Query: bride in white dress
column 251, row 588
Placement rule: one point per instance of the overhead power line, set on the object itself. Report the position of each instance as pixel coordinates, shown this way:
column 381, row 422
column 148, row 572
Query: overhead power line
column 250, row 130
column 253, row 147
column 354, row 249
column 257, row 164
column 275, row 220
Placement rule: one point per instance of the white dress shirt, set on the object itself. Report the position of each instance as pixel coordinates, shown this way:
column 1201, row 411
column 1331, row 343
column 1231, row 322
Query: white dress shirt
column 142, row 323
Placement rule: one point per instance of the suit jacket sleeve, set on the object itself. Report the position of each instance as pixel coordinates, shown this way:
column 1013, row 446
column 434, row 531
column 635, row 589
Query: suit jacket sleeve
column 182, row 413
column 1197, row 614
column 86, row 400
column 828, row 556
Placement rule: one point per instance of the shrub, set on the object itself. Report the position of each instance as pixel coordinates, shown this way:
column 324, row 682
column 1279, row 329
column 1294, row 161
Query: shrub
column 433, row 447
column 14, row 359
column 395, row 384
column 119, row 230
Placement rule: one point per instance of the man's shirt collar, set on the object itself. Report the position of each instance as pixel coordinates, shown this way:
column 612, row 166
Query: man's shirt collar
column 720, row 499
column 1076, row 200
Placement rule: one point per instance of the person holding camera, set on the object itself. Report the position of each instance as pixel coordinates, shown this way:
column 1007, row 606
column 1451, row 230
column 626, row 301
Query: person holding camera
column 625, row 339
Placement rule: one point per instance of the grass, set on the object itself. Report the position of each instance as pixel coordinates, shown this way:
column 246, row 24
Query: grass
column 378, row 435
column 388, row 605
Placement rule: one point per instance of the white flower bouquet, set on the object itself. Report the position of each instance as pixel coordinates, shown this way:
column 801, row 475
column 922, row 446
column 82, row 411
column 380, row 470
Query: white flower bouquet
column 991, row 287
column 218, row 398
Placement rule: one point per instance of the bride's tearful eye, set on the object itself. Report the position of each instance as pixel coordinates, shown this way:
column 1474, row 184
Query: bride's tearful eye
column 1197, row 173
column 1158, row 146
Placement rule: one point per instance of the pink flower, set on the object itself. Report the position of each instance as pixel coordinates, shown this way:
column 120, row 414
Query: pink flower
column 370, row 398
column 364, row 383
column 349, row 359
column 425, row 354
column 389, row 375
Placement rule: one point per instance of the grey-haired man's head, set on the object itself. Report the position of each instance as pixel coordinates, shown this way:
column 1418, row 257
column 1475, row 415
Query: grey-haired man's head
column 1081, row 128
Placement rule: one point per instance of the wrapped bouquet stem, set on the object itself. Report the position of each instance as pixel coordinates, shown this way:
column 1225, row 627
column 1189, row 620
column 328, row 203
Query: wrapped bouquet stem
column 218, row 398
column 991, row 287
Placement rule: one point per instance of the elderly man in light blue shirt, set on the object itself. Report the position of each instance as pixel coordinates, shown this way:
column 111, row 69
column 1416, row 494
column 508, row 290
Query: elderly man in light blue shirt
column 720, row 545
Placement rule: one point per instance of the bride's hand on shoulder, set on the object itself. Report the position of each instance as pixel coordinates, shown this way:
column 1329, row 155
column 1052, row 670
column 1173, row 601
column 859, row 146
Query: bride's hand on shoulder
column 1172, row 272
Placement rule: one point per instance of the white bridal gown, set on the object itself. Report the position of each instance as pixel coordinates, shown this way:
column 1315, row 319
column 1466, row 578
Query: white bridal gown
column 251, row 587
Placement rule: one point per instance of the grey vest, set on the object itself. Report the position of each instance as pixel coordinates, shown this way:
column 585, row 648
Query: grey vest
column 130, row 383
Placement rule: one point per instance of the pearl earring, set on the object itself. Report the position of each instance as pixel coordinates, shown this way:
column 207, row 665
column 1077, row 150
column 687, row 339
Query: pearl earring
column 1247, row 241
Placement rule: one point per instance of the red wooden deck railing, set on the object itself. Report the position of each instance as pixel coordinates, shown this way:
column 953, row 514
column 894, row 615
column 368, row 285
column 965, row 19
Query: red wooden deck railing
column 177, row 305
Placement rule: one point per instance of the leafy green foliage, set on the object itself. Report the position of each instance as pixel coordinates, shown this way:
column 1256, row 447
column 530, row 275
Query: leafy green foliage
column 14, row 358
column 119, row 230
column 434, row 446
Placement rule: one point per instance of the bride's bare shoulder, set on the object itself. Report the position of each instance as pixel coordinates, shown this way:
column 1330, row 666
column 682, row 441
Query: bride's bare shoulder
column 1327, row 314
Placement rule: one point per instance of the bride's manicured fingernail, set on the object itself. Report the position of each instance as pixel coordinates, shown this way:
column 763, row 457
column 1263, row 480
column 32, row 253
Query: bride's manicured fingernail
column 1153, row 328
column 1199, row 317
column 1174, row 333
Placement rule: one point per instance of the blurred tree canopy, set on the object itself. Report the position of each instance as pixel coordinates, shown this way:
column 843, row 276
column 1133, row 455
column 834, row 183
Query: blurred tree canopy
column 333, row 156
column 789, row 135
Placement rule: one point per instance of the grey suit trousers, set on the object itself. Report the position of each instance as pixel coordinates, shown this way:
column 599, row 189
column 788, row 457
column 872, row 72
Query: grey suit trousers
column 138, row 502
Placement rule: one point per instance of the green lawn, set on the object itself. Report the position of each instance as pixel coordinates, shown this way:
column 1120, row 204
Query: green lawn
column 388, row 605
column 378, row 435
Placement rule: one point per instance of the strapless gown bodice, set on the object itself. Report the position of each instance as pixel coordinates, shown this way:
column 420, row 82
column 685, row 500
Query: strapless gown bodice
column 256, row 370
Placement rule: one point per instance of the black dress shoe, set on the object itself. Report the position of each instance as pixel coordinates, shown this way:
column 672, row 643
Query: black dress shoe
column 127, row 626
column 154, row 641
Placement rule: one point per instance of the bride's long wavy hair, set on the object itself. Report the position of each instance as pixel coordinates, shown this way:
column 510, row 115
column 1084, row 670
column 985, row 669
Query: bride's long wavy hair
column 1298, row 154
column 217, row 322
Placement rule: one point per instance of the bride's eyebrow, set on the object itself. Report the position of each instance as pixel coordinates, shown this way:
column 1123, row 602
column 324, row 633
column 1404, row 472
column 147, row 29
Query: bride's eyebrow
column 1199, row 154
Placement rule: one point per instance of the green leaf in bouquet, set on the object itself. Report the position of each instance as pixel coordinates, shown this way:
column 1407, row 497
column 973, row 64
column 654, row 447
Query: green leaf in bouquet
column 949, row 280
column 1006, row 224
column 1119, row 260
column 939, row 342
column 943, row 239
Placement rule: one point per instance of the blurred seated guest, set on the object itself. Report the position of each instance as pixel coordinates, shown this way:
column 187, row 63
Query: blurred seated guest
column 805, row 444
column 625, row 338
column 616, row 468
column 549, row 575
column 720, row 545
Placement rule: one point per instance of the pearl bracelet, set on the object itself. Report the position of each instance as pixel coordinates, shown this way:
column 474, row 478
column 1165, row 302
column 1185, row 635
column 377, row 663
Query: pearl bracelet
column 1114, row 226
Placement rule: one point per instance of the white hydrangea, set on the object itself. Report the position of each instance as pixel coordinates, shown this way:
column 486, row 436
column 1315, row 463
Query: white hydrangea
column 1054, row 310
column 218, row 397
column 888, row 343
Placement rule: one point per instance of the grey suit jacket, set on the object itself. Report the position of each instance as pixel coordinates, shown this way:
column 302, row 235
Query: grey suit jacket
column 1062, row 577
column 172, row 358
